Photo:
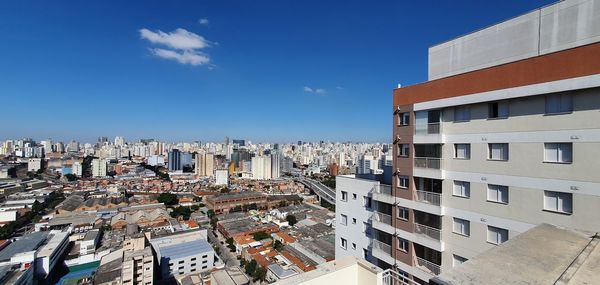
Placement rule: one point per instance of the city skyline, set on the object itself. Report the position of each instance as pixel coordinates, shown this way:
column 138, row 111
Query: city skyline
column 198, row 70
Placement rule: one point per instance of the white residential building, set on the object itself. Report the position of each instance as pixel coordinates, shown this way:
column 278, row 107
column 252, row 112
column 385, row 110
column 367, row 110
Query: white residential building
column 221, row 177
column 98, row 167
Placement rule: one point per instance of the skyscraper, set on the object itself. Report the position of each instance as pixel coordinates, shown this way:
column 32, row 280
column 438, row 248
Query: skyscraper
column 175, row 163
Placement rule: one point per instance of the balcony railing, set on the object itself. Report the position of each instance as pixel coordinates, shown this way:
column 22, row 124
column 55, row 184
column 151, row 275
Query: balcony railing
column 428, row 231
column 382, row 218
column 429, row 129
column 429, row 197
column 428, row 162
column 382, row 246
column 383, row 189
column 428, row 266
column 392, row 277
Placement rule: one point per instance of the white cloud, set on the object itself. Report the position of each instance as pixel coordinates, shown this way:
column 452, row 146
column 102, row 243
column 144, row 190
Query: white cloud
column 203, row 21
column 181, row 45
column 319, row 91
column 185, row 57
column 339, row 88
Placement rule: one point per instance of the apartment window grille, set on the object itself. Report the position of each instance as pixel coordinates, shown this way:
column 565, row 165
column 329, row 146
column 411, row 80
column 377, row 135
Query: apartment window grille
column 344, row 196
column 560, row 202
column 558, row 152
column 497, row 193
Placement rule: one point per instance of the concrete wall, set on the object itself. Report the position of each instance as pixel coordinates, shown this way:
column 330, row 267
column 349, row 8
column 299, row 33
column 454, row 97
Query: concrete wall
column 353, row 208
column 560, row 26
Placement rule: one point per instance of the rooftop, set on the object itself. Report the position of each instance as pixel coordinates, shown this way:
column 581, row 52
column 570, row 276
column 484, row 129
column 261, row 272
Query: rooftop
column 177, row 251
column 240, row 195
column 545, row 254
column 25, row 243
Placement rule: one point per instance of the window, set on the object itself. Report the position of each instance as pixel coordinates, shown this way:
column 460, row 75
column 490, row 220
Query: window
column 403, row 181
column 365, row 254
column 558, row 202
column 193, row 264
column 204, row 256
column 462, row 114
column 180, row 267
column 204, row 261
column 403, row 119
column 193, row 270
column 462, row 189
column 367, row 202
column 496, row 235
column 354, row 196
column 559, row 103
column 403, row 213
column 354, row 221
column 344, row 243
column 344, row 220
column 462, row 150
column 497, row 193
column 498, row 151
column 402, row 244
column 366, row 228
column 205, row 266
column 457, row 260
column 344, row 196
column 461, row 227
column 181, row 261
column 403, row 150
column 497, row 110
column 558, row 152
column 193, row 259
column 354, row 246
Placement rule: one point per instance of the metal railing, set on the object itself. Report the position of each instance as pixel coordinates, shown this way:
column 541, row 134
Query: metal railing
column 428, row 231
column 382, row 246
column 392, row 277
column 428, row 162
column 429, row 197
column 432, row 128
column 383, row 189
column 428, row 266
column 382, row 218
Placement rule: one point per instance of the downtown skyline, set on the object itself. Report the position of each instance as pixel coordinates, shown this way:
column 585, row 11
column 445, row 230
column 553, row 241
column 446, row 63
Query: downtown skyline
column 265, row 72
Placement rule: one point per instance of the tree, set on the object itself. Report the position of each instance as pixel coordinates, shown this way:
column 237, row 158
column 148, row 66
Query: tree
column 195, row 208
column 259, row 274
column 237, row 208
column 210, row 213
column 253, row 206
column 277, row 245
column 184, row 212
column 168, row 199
column 250, row 267
column 71, row 177
column 260, row 235
column 37, row 207
column 213, row 222
column 291, row 219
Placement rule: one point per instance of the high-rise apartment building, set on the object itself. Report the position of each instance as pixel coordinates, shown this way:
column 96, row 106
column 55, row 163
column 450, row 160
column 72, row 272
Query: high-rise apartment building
column 205, row 163
column 261, row 167
column 504, row 136
column 98, row 167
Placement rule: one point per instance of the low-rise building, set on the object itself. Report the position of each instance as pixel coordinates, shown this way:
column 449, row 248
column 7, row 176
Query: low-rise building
column 226, row 202
column 183, row 253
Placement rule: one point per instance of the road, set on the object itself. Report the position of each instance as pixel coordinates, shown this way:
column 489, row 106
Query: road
column 319, row 188
column 228, row 257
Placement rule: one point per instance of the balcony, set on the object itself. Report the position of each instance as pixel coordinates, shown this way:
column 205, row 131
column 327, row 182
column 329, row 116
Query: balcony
column 428, row 266
column 383, row 189
column 392, row 277
column 428, row 162
column 382, row 218
column 428, row 197
column 428, row 231
column 382, row 246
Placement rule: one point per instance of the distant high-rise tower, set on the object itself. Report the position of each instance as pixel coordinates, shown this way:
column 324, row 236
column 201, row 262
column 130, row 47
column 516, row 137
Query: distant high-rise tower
column 175, row 160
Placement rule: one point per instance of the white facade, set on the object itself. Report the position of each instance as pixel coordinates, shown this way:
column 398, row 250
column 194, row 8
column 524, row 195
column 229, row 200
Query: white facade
column 353, row 211
column 98, row 168
column 221, row 177
column 184, row 253
column 34, row 164
column 77, row 168
column 261, row 167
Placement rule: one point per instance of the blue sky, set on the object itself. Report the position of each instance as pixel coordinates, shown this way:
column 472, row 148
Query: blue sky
column 198, row 70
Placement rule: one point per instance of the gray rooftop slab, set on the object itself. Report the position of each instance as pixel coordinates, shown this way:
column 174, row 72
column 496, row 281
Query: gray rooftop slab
column 25, row 243
column 185, row 249
column 538, row 256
